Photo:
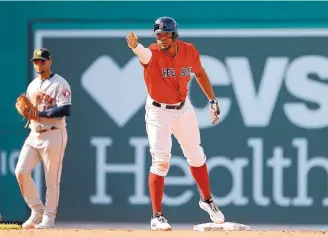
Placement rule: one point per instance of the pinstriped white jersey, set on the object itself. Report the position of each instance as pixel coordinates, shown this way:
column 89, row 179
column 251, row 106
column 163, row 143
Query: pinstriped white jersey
column 48, row 94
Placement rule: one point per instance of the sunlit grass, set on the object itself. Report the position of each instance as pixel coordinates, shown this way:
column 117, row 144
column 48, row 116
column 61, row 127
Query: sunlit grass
column 5, row 226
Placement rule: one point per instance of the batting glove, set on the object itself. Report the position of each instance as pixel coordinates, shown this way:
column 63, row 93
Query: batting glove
column 214, row 111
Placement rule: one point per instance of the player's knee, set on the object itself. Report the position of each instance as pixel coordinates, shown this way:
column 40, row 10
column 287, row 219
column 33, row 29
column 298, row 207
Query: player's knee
column 160, row 164
column 52, row 185
column 195, row 155
column 21, row 173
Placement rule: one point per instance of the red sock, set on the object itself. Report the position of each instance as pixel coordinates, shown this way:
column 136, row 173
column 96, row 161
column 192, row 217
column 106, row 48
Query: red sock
column 156, row 189
column 200, row 175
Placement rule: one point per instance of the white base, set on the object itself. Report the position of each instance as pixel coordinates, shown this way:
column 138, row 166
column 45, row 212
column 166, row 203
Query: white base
column 221, row 227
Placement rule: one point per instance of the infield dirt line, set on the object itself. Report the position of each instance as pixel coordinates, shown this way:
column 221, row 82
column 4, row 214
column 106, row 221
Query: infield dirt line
column 148, row 233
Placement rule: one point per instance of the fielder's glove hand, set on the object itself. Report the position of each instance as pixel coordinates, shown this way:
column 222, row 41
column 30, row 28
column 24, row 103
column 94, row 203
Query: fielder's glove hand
column 25, row 108
column 214, row 111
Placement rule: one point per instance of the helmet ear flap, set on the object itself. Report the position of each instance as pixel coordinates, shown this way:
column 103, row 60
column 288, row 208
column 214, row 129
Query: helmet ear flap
column 175, row 35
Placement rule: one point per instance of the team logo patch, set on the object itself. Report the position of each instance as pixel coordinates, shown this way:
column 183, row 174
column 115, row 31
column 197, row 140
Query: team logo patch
column 39, row 53
column 66, row 93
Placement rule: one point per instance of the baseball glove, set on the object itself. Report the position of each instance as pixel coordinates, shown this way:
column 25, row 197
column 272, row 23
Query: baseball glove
column 25, row 108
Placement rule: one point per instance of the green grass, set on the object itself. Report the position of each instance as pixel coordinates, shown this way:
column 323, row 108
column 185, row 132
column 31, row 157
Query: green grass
column 4, row 226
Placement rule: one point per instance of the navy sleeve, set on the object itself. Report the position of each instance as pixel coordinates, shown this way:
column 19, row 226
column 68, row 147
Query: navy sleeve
column 56, row 112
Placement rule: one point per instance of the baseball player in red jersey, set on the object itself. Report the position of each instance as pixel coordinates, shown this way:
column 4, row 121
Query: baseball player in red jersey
column 168, row 65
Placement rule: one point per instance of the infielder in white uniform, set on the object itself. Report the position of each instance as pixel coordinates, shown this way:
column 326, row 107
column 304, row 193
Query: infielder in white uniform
column 51, row 94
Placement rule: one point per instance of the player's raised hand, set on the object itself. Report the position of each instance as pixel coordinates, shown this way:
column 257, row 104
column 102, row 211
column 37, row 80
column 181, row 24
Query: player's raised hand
column 214, row 111
column 132, row 40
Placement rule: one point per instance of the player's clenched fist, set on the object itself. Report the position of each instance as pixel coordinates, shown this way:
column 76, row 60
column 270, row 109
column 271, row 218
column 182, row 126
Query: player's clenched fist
column 132, row 40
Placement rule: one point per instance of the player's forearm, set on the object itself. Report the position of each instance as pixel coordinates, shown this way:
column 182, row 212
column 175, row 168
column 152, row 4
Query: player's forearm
column 205, row 84
column 143, row 53
column 56, row 112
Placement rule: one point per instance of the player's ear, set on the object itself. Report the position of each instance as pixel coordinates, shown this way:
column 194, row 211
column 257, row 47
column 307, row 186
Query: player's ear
column 50, row 62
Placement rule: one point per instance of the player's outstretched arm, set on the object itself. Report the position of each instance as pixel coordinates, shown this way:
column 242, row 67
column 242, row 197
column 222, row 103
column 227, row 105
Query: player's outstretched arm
column 143, row 53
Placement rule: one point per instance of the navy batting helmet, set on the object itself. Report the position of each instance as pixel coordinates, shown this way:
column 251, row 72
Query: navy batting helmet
column 166, row 24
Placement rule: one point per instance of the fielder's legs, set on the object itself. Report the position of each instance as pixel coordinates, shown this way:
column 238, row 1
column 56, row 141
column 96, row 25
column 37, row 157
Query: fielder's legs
column 186, row 130
column 28, row 158
column 158, row 126
column 52, row 157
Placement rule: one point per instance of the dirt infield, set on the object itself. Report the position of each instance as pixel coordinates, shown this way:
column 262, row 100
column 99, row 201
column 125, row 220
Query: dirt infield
column 148, row 233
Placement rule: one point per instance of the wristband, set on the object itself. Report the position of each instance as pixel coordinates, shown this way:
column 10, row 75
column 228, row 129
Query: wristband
column 213, row 101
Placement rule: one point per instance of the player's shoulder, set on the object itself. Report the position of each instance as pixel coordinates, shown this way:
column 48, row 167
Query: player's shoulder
column 154, row 47
column 59, row 79
column 187, row 45
column 33, row 82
